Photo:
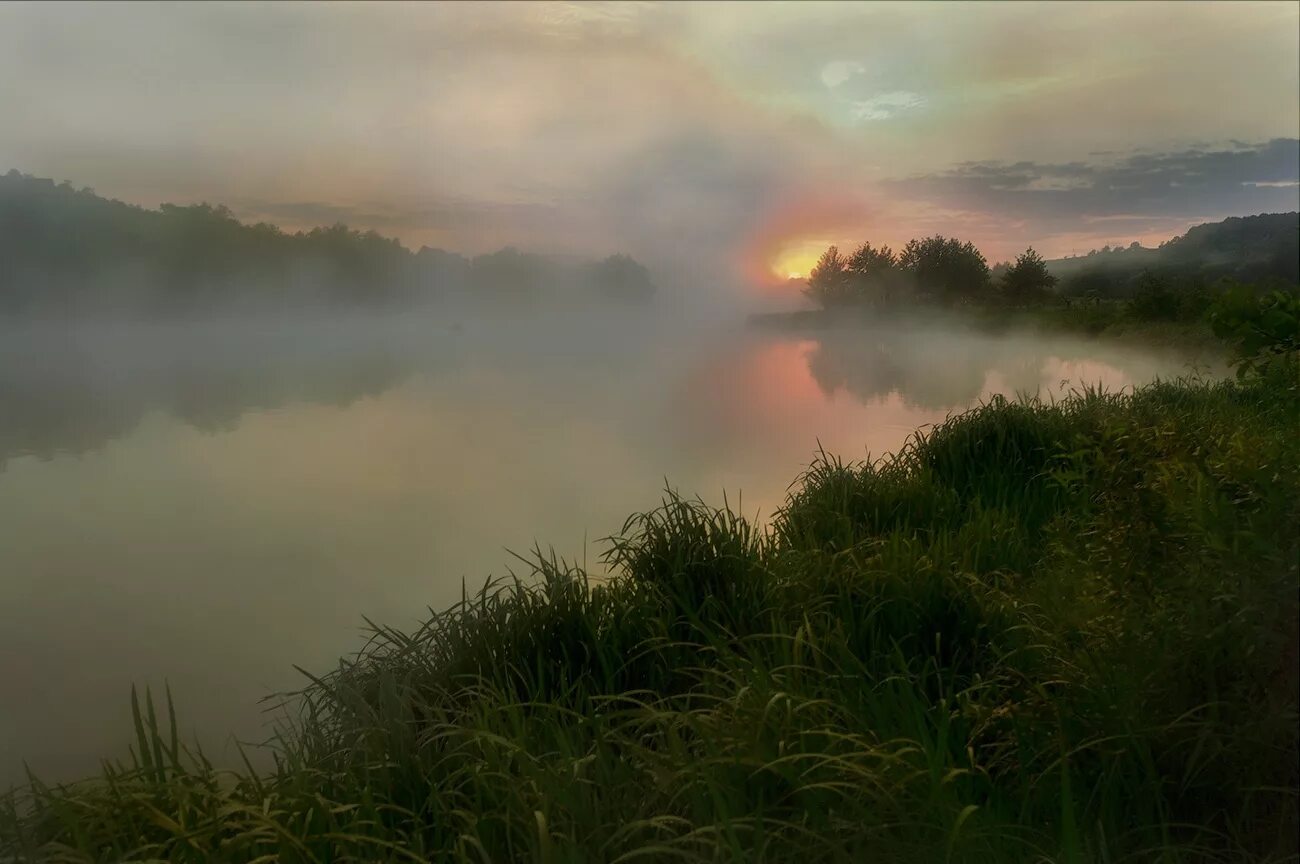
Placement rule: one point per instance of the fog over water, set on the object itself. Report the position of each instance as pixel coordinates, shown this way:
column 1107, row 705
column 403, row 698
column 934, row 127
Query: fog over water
column 207, row 504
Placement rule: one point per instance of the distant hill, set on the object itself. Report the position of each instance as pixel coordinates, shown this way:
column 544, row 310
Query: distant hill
column 67, row 250
column 1264, row 248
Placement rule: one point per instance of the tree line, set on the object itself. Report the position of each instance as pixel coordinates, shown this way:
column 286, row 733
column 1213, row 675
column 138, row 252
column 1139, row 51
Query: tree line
column 1176, row 281
column 941, row 270
column 63, row 248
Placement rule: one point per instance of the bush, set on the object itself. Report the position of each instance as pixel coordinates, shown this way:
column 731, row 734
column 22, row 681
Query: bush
column 1263, row 329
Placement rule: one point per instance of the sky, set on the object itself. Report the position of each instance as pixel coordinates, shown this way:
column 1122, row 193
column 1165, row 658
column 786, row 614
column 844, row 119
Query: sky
column 743, row 137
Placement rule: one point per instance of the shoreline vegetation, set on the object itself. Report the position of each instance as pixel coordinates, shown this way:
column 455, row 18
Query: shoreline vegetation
column 1172, row 293
column 1041, row 631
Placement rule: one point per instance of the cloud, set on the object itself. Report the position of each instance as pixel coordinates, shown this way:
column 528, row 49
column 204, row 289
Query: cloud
column 676, row 130
column 837, row 72
column 887, row 105
column 1165, row 191
column 1240, row 176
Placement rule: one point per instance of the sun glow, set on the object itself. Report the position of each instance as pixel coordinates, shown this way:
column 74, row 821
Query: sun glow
column 793, row 235
column 795, row 260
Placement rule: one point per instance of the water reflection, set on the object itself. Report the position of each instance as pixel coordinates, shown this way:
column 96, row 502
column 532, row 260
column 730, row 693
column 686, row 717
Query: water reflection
column 936, row 368
column 208, row 505
column 71, row 394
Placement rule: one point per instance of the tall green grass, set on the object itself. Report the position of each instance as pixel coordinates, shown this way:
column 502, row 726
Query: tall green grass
column 1041, row 632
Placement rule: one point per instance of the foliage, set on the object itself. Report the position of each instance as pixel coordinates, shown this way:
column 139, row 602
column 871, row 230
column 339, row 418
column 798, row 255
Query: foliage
column 1250, row 248
column 875, row 276
column 1263, row 330
column 1154, row 300
column 828, row 281
column 68, row 250
column 1040, row 632
column 620, row 277
column 1095, row 300
column 1258, row 249
column 936, row 268
column 946, row 269
column 72, row 250
column 1027, row 280
column 1095, row 283
column 510, row 275
column 869, row 277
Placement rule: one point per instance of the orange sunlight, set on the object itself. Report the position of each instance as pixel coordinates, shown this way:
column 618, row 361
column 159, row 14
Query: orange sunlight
column 794, row 235
column 796, row 260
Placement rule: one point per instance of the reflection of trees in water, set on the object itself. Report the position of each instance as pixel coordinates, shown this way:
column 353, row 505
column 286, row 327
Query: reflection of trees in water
column 64, row 390
column 213, row 400
column 64, row 394
column 65, row 403
column 944, row 369
column 927, row 370
column 42, row 417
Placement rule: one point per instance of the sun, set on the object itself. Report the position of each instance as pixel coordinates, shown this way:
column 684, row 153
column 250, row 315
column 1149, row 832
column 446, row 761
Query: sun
column 796, row 259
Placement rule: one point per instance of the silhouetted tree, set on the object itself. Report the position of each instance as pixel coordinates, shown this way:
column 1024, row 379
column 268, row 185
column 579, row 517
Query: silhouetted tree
column 1027, row 280
column 1154, row 298
column 68, row 249
column 508, row 275
column 620, row 277
column 946, row 269
column 1094, row 282
column 873, row 275
column 828, row 281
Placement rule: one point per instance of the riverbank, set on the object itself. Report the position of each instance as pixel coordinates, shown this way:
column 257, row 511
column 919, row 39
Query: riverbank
column 1040, row 632
column 1104, row 320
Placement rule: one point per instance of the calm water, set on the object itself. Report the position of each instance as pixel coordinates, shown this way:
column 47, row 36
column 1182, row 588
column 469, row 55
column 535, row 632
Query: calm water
column 206, row 506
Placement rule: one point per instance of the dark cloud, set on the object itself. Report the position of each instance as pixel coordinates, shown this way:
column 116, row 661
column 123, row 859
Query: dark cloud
column 1193, row 183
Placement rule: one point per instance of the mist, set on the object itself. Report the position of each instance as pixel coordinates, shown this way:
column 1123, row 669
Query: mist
column 226, row 446
column 203, row 502
column 596, row 431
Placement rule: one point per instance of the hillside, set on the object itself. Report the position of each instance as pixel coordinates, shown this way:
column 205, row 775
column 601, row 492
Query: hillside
column 1250, row 248
column 68, row 250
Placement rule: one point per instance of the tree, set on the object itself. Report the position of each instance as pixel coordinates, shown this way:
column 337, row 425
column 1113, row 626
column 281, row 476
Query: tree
column 509, row 275
column 1028, row 280
column 69, row 250
column 1095, row 282
column 621, row 277
column 828, row 281
column 873, row 275
column 1154, row 298
column 946, row 268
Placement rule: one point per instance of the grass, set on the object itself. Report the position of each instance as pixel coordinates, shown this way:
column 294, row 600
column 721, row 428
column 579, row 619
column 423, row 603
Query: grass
column 1042, row 632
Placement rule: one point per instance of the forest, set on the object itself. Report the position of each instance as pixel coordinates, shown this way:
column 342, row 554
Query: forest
column 66, row 250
